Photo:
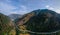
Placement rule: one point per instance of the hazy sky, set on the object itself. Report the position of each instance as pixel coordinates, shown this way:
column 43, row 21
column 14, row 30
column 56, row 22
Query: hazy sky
column 24, row 6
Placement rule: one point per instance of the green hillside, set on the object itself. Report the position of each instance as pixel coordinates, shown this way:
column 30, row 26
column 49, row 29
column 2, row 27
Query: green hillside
column 40, row 21
column 5, row 24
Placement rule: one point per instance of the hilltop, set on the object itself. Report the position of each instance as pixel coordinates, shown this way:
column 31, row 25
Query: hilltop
column 43, row 20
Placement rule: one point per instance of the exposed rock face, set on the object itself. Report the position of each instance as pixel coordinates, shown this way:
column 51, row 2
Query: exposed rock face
column 21, row 21
column 25, row 18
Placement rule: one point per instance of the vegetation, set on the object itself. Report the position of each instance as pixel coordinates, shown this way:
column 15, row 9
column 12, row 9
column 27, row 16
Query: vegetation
column 45, row 21
column 5, row 25
column 37, row 21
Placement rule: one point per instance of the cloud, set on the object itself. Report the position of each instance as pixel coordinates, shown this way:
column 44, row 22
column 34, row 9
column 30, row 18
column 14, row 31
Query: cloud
column 54, row 9
column 13, row 6
column 6, row 1
column 6, row 7
column 23, row 7
column 9, row 9
column 49, row 7
column 22, row 10
column 57, row 10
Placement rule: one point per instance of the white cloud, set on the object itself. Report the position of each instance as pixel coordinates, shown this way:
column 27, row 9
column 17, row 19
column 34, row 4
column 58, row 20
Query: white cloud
column 23, row 0
column 57, row 10
column 54, row 9
column 23, row 9
column 6, row 7
column 49, row 7
column 13, row 12
column 9, row 8
column 5, row 1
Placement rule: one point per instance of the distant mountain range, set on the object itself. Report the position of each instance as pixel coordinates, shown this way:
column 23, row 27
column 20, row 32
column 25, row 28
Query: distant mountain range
column 43, row 20
column 15, row 16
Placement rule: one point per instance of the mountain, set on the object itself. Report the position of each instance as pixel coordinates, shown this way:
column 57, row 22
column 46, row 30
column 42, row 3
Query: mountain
column 14, row 16
column 6, row 24
column 45, row 21
column 41, row 20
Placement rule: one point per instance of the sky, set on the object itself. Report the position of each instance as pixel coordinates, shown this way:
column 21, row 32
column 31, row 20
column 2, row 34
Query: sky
column 25, row 6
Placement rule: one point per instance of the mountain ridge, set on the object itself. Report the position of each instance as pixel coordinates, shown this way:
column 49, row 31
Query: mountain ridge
column 42, row 21
column 15, row 16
